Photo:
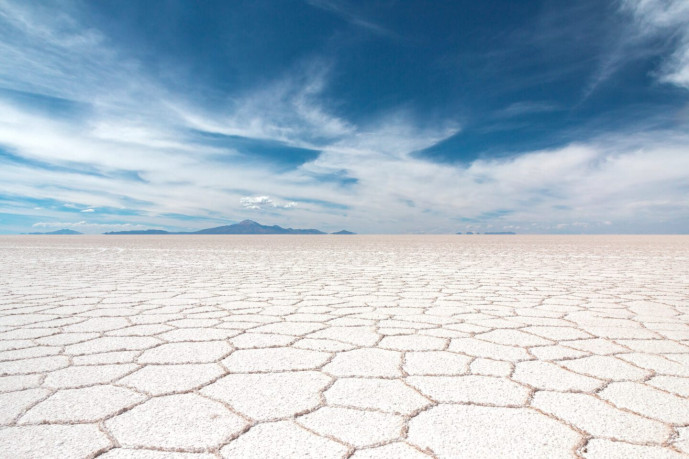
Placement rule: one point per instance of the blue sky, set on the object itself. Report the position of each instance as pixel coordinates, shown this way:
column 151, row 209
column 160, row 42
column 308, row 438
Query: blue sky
column 376, row 116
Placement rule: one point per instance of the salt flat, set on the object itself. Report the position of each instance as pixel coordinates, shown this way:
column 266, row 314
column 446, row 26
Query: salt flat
column 361, row 346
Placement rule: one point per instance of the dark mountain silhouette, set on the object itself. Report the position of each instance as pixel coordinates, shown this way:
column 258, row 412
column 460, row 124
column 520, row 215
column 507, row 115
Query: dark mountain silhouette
column 62, row 231
column 343, row 232
column 244, row 227
column 251, row 227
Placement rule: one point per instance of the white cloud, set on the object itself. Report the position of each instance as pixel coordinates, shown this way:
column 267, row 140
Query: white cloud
column 669, row 19
column 256, row 202
column 88, row 210
column 261, row 202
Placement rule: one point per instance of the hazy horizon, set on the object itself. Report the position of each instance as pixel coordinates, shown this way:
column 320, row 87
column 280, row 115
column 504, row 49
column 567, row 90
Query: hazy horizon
column 378, row 117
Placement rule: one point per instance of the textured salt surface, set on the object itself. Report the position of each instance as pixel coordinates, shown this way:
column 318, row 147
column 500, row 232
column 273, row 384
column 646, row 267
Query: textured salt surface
column 365, row 346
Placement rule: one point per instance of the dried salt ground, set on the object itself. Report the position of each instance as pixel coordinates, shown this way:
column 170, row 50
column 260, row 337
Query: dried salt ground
column 363, row 347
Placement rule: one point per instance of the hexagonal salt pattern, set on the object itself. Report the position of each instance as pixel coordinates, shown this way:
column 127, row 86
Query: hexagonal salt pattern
column 471, row 431
column 185, row 421
column 362, row 347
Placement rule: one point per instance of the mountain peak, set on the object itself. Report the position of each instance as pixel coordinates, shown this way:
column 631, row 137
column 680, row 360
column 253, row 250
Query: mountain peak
column 252, row 227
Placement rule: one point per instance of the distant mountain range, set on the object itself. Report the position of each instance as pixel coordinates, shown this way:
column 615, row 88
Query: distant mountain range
column 244, row 227
column 62, row 231
column 251, row 227
column 493, row 232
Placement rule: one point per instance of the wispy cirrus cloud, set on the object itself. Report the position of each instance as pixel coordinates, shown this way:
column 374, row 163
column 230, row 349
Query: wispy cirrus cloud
column 656, row 29
column 667, row 20
column 349, row 14
column 527, row 108
column 288, row 109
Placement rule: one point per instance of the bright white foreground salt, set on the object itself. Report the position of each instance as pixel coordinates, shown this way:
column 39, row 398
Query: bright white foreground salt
column 330, row 346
